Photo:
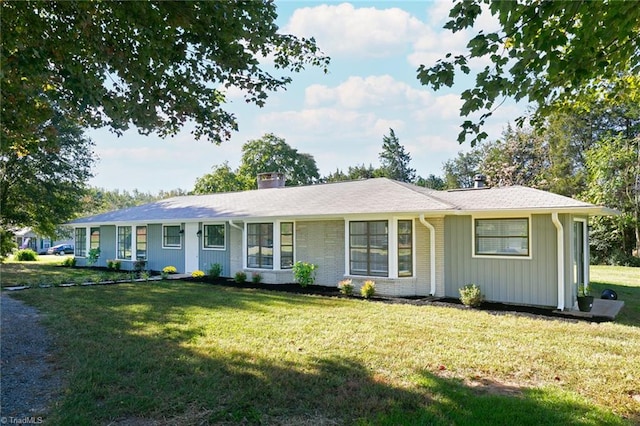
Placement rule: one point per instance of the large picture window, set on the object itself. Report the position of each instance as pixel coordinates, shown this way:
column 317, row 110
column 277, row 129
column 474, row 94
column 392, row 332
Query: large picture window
column 80, row 249
column 502, row 237
column 405, row 248
column 141, row 242
column 171, row 236
column 286, row 245
column 260, row 245
column 369, row 248
column 124, row 242
column 214, row 236
column 94, row 238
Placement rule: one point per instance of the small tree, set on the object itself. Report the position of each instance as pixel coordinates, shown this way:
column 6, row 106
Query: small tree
column 304, row 273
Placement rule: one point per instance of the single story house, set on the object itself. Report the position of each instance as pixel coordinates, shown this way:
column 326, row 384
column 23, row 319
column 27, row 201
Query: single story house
column 520, row 245
column 26, row 238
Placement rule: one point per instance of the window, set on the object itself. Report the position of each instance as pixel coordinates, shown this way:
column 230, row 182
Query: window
column 260, row 245
column 171, row 236
column 286, row 245
column 94, row 238
column 405, row 248
column 141, row 242
column 502, row 237
column 81, row 242
column 214, row 237
column 124, row 242
column 368, row 248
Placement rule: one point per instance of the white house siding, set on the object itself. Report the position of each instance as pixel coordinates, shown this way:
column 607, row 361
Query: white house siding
column 322, row 243
column 520, row 281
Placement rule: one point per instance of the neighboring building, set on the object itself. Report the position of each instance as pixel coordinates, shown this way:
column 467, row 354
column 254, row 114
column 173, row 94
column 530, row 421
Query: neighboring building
column 520, row 245
column 27, row 238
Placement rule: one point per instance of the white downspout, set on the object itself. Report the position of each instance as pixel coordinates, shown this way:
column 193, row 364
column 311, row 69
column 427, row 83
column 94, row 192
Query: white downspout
column 560, row 244
column 432, row 253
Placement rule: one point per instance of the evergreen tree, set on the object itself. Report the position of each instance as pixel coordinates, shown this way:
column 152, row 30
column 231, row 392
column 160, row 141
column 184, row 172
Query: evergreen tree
column 395, row 160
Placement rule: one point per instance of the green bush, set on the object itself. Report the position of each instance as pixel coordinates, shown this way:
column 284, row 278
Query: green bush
column 368, row 289
column 256, row 278
column 304, row 273
column 69, row 262
column 240, row 277
column 114, row 264
column 93, row 256
column 470, row 295
column 215, row 270
column 25, row 255
column 6, row 244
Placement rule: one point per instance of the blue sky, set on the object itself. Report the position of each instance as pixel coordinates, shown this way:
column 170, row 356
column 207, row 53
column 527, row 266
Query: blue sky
column 341, row 117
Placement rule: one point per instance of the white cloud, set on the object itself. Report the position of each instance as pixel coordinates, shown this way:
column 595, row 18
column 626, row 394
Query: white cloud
column 357, row 32
column 364, row 92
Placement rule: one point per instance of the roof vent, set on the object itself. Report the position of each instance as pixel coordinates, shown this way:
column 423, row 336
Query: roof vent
column 479, row 181
column 271, row 180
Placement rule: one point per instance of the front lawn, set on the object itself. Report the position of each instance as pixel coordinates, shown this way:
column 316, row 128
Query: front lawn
column 195, row 353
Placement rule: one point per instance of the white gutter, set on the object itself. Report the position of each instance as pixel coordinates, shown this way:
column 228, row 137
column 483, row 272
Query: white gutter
column 560, row 244
column 432, row 253
column 236, row 226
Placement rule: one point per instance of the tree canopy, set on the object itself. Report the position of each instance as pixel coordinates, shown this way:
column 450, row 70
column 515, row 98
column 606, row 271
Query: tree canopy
column 156, row 65
column 549, row 53
column 43, row 188
column 267, row 154
column 395, row 160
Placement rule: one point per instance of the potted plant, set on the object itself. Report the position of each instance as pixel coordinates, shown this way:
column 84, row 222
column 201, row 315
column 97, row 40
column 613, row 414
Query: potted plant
column 585, row 299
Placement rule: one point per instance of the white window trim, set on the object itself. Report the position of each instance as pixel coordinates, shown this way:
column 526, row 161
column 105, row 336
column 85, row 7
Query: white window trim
column 276, row 245
column 214, row 248
column 392, row 246
column 486, row 256
column 293, row 236
column 172, row 247
column 132, row 230
column 86, row 238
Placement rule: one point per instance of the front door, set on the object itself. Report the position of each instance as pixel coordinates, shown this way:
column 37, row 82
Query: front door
column 580, row 261
column 191, row 248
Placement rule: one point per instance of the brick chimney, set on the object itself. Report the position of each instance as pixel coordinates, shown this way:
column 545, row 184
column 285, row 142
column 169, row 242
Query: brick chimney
column 271, row 180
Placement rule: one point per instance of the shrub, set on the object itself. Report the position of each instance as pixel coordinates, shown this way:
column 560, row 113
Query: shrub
column 197, row 274
column 256, row 278
column 470, row 295
column 93, row 256
column 169, row 270
column 240, row 277
column 6, row 243
column 69, row 262
column 140, row 265
column 146, row 275
column 114, row 264
column 368, row 289
column 346, row 287
column 304, row 273
column 25, row 255
column 215, row 270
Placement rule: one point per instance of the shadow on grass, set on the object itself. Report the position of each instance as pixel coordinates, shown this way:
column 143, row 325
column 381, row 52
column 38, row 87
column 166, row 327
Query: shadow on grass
column 142, row 356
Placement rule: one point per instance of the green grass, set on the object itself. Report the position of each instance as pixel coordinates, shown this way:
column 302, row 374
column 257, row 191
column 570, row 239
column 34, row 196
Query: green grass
column 48, row 270
column 157, row 351
column 626, row 283
column 194, row 353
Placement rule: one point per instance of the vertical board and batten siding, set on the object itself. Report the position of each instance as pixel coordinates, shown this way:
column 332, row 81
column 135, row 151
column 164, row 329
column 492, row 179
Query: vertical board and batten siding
column 107, row 244
column 520, row 281
column 158, row 257
column 322, row 243
column 209, row 257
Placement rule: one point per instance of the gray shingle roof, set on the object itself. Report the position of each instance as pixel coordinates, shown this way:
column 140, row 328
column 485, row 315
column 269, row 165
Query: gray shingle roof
column 362, row 197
